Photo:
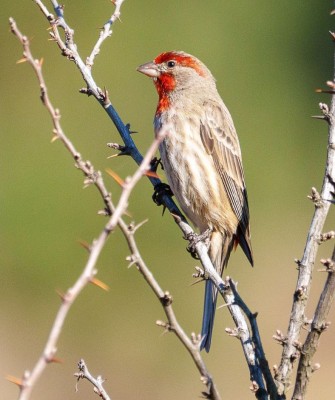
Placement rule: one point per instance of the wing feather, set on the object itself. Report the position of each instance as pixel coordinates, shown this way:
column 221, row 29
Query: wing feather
column 219, row 137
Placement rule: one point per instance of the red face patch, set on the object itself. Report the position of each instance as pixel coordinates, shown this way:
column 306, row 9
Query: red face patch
column 181, row 59
column 166, row 82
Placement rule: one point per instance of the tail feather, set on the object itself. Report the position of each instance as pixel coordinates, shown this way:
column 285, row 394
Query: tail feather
column 245, row 243
column 219, row 252
column 221, row 247
column 208, row 315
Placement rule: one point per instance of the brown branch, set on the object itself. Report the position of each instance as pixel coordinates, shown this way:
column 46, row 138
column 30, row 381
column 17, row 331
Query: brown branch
column 69, row 49
column 94, row 177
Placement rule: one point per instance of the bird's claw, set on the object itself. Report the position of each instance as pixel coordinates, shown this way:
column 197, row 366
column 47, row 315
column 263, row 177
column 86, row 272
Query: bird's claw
column 160, row 190
column 195, row 238
column 155, row 162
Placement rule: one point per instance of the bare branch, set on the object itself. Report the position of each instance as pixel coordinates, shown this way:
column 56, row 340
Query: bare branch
column 97, row 382
column 48, row 354
column 69, row 49
column 322, row 203
column 318, row 326
column 105, row 32
column 29, row 379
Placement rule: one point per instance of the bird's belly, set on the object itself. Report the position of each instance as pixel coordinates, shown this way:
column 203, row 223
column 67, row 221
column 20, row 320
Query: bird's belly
column 196, row 184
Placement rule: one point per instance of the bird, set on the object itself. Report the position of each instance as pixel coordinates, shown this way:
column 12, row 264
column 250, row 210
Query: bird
column 202, row 161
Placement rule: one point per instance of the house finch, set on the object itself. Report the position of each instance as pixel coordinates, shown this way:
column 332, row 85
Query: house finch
column 202, row 161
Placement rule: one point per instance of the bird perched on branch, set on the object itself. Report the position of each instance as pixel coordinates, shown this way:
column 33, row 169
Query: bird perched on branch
column 202, row 161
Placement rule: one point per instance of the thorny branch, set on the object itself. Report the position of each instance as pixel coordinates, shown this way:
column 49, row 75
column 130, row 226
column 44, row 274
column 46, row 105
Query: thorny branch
column 94, row 177
column 318, row 326
column 69, row 49
column 322, row 202
column 254, row 353
column 97, row 382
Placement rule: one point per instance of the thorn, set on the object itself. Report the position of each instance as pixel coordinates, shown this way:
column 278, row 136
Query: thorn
column 85, row 245
column 104, row 212
column 224, row 305
column 54, row 138
column 114, row 155
column 56, row 360
column 318, row 116
column 176, row 217
column 124, row 151
column 139, row 225
column 332, row 34
column 197, row 281
column 15, row 380
column 60, row 294
column 133, row 260
column 115, row 176
column 100, row 284
column 324, row 91
column 127, row 213
column 106, row 99
column 151, row 174
column 41, row 61
column 21, row 60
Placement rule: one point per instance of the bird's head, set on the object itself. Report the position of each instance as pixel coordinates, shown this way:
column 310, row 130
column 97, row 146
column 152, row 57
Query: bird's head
column 176, row 71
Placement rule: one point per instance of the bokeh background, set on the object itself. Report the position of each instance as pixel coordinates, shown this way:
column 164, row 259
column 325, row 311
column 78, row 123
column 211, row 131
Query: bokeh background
column 268, row 57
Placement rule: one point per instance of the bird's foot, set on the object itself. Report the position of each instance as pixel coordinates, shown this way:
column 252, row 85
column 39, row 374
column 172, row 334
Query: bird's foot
column 195, row 238
column 154, row 163
column 160, row 190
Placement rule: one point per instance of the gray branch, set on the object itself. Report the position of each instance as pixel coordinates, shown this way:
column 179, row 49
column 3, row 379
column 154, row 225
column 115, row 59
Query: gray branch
column 322, row 203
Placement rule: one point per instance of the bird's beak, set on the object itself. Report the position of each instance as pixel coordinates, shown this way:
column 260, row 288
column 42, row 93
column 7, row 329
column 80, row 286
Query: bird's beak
column 150, row 69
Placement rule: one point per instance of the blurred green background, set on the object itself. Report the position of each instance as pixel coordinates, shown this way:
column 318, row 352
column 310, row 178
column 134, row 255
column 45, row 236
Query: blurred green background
column 268, row 57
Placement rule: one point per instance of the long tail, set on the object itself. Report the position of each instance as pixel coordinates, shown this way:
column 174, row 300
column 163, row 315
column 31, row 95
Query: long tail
column 220, row 249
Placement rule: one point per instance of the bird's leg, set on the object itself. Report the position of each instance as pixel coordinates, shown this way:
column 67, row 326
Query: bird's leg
column 195, row 238
column 155, row 162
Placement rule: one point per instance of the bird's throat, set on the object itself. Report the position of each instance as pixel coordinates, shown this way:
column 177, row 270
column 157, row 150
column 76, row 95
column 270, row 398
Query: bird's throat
column 165, row 84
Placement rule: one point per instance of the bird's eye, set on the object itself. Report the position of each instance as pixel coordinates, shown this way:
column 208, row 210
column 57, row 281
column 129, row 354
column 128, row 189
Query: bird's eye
column 171, row 64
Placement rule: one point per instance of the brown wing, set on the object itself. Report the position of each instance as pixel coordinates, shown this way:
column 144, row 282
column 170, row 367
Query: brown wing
column 219, row 137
